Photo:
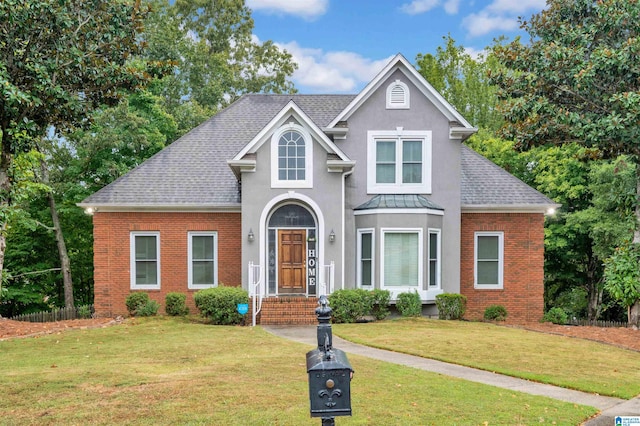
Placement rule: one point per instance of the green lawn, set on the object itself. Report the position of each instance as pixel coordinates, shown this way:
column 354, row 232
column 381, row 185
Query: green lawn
column 165, row 371
column 563, row 361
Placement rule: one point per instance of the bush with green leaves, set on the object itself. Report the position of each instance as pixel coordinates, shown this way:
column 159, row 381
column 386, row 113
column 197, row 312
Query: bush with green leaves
column 149, row 309
column 555, row 315
column 349, row 305
column 176, row 304
column 135, row 301
column 220, row 304
column 409, row 304
column 451, row 306
column 495, row 313
column 84, row 311
column 380, row 301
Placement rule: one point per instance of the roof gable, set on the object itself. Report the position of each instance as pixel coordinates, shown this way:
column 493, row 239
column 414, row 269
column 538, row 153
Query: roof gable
column 290, row 109
column 399, row 62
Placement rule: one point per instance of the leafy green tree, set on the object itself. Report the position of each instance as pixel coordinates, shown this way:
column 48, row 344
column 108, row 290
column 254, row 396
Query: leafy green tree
column 463, row 81
column 577, row 81
column 217, row 57
column 58, row 61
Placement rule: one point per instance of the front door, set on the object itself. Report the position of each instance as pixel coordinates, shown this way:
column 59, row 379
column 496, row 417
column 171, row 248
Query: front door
column 292, row 275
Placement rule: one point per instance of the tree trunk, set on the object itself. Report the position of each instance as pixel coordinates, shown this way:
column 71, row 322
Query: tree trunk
column 65, row 262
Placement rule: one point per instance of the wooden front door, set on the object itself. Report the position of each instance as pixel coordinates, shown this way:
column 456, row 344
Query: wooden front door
column 292, row 275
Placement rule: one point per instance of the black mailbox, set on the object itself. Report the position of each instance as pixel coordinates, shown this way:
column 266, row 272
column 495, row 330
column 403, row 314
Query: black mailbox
column 329, row 371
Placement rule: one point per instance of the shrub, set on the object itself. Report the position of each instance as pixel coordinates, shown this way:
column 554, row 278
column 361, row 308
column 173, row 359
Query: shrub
column 556, row 316
column 84, row 311
column 380, row 300
column 409, row 304
column 495, row 313
column 451, row 306
column 176, row 304
column 149, row 309
column 135, row 301
column 350, row 305
column 220, row 304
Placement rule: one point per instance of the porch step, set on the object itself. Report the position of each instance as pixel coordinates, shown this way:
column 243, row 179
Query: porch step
column 289, row 311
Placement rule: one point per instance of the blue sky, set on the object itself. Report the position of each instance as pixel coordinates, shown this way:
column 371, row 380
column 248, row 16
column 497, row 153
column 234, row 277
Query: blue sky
column 340, row 45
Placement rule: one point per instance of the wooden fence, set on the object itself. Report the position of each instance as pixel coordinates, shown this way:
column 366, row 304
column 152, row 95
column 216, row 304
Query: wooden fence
column 597, row 323
column 59, row 314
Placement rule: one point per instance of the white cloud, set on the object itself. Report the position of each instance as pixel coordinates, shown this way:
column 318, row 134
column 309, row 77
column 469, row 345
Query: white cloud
column 500, row 16
column 307, row 9
column 478, row 24
column 515, row 7
column 331, row 72
column 419, row 6
column 451, row 6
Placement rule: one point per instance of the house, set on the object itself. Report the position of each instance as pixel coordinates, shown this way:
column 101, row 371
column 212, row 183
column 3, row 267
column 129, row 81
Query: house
column 293, row 196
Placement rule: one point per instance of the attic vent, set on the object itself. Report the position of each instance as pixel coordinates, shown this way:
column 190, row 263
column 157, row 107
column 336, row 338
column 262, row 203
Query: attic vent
column 397, row 95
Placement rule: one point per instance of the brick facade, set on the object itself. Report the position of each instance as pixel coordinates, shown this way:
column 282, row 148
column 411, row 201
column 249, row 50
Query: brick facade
column 112, row 254
column 523, row 291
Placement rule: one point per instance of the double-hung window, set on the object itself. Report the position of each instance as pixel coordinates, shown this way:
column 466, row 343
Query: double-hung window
column 145, row 260
column 365, row 258
column 489, row 265
column 399, row 162
column 203, row 259
column 434, row 258
column 292, row 157
column 401, row 258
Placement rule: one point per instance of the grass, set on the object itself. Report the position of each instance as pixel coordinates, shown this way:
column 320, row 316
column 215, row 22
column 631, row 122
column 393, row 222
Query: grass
column 558, row 360
column 168, row 371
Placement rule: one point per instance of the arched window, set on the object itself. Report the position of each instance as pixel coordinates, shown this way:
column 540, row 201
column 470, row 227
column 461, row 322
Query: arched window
column 291, row 156
column 291, row 153
column 397, row 95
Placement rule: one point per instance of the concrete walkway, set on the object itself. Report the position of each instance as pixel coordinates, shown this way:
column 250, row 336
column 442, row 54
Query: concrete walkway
column 610, row 407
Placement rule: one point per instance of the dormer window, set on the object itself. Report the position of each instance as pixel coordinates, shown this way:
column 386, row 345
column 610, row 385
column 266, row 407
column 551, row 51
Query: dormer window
column 291, row 154
column 398, row 95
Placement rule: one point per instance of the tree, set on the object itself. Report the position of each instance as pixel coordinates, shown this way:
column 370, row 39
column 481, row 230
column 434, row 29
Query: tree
column 463, row 81
column 577, row 81
column 59, row 61
column 217, row 57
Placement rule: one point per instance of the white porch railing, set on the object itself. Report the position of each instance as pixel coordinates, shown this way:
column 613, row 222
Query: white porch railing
column 257, row 290
column 326, row 287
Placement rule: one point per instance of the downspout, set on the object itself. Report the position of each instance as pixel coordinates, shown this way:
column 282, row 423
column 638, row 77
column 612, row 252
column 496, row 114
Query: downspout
column 344, row 178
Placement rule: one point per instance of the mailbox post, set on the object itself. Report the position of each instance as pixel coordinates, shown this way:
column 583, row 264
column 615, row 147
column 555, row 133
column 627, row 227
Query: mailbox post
column 329, row 372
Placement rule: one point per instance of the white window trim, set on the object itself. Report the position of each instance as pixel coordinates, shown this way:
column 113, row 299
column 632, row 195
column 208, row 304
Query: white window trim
column 308, row 163
column 191, row 285
column 132, row 267
column 437, row 232
column 373, row 257
column 398, row 187
column 395, row 290
column 407, row 99
column 500, row 283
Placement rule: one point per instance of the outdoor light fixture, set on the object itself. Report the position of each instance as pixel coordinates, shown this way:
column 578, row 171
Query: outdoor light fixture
column 251, row 237
column 332, row 236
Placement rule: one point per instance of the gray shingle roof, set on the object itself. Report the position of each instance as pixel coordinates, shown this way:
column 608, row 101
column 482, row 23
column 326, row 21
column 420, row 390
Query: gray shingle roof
column 193, row 170
column 484, row 184
column 398, row 201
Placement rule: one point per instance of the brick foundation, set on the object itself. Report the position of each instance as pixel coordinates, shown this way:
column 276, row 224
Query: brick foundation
column 523, row 291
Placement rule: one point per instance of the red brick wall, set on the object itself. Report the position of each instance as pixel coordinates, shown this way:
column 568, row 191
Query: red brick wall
column 112, row 254
column 523, row 290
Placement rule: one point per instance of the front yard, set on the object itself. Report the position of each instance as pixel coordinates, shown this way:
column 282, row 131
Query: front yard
column 175, row 371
